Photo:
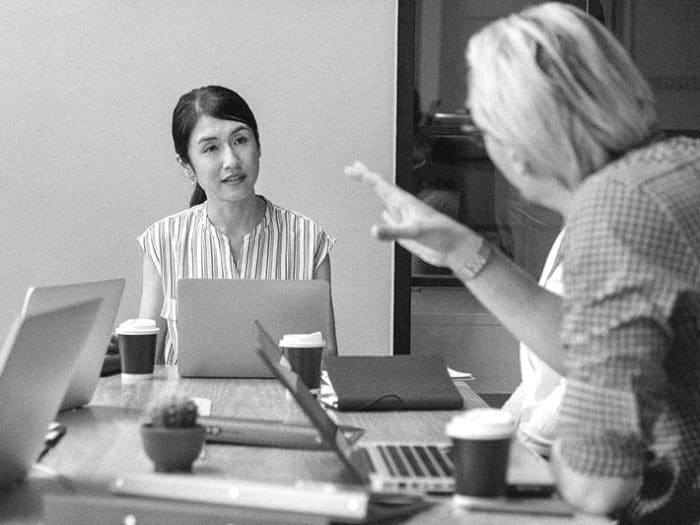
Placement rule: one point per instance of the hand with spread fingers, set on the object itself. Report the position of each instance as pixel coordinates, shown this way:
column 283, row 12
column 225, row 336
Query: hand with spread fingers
column 434, row 237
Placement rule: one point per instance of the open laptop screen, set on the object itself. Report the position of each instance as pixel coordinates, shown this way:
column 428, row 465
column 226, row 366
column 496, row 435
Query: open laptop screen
column 305, row 399
column 215, row 331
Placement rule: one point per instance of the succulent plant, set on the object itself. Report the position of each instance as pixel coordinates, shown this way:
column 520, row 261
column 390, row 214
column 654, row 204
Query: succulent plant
column 173, row 411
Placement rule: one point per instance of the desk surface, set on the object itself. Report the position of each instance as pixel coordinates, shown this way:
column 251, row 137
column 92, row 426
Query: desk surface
column 103, row 441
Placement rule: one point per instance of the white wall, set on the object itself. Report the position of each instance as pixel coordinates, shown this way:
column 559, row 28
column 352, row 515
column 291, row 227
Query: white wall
column 86, row 157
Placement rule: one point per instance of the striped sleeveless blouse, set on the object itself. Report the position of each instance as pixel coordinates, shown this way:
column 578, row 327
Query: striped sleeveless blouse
column 284, row 245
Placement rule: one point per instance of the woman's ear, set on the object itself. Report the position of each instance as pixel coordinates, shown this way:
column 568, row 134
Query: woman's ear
column 519, row 163
column 187, row 170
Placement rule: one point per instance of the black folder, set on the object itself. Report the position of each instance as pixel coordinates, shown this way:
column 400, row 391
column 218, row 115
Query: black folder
column 402, row 382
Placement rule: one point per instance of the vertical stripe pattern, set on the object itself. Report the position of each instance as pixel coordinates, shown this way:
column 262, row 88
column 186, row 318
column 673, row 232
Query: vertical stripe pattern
column 284, row 245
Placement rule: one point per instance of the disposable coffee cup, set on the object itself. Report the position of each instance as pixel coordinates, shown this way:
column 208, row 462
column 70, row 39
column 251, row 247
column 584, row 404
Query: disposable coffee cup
column 137, row 348
column 481, row 440
column 304, row 352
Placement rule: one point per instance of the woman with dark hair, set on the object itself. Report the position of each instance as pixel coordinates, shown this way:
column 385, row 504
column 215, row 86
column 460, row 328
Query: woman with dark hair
column 229, row 231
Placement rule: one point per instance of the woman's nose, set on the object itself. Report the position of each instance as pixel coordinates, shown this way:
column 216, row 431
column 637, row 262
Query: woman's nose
column 230, row 157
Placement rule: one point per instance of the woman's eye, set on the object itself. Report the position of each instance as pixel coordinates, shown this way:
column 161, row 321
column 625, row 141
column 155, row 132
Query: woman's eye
column 240, row 140
column 209, row 148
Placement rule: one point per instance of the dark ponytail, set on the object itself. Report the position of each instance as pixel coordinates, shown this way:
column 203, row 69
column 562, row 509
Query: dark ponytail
column 198, row 195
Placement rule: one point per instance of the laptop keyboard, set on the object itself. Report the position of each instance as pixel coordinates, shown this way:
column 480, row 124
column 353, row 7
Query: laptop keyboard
column 420, row 461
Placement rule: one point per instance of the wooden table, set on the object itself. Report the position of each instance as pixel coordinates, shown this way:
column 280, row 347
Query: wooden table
column 103, row 442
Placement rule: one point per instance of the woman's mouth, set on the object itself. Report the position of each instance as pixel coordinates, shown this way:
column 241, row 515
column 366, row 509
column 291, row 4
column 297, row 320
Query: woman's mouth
column 234, row 179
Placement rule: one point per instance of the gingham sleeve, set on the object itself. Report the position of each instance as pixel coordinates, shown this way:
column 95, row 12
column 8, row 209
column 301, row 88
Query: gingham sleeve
column 619, row 252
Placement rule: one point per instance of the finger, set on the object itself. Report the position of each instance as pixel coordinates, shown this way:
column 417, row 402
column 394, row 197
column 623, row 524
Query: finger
column 356, row 170
column 381, row 186
column 387, row 232
column 359, row 171
column 392, row 217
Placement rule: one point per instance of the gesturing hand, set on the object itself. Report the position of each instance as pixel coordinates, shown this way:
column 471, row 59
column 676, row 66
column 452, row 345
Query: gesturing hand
column 434, row 237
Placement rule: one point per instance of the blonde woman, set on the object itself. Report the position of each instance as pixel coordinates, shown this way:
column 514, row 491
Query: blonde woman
column 569, row 120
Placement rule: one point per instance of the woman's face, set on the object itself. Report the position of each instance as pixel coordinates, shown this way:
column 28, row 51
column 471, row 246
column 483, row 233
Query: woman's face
column 540, row 188
column 502, row 156
column 225, row 158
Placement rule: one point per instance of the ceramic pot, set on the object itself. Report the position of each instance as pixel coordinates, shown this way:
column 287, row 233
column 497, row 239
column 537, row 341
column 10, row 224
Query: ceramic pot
column 172, row 449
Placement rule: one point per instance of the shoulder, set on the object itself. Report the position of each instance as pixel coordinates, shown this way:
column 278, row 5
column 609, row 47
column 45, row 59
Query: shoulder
column 177, row 221
column 656, row 159
column 285, row 216
column 634, row 224
column 650, row 169
column 306, row 232
column 664, row 177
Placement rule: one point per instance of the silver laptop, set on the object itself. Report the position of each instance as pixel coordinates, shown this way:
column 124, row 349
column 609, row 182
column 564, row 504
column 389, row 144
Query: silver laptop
column 216, row 335
column 36, row 364
column 410, row 467
column 46, row 298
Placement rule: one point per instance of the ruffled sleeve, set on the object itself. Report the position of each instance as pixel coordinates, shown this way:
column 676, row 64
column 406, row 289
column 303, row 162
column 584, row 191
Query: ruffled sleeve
column 324, row 245
column 151, row 242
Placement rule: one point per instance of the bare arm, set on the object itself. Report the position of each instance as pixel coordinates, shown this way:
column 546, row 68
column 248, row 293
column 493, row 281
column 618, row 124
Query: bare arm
column 531, row 313
column 527, row 310
column 152, row 302
column 323, row 272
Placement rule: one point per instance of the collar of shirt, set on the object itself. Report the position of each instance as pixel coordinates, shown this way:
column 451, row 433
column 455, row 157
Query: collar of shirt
column 205, row 223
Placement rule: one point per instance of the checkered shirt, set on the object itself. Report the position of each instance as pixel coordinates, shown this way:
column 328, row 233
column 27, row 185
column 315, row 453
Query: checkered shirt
column 631, row 329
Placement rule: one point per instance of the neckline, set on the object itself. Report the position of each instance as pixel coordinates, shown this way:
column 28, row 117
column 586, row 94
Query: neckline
column 262, row 224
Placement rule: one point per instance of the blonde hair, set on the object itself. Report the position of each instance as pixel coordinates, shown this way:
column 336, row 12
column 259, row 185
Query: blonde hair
column 555, row 82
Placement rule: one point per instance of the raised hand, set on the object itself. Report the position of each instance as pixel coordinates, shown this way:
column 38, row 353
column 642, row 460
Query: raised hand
column 434, row 237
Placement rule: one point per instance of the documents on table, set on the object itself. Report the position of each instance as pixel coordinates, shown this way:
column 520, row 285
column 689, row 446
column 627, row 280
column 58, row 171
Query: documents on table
column 456, row 374
column 326, row 394
column 203, row 406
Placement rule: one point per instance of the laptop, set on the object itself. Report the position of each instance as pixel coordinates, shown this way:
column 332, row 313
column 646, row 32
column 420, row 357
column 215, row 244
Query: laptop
column 36, row 364
column 409, row 467
column 215, row 331
column 46, row 298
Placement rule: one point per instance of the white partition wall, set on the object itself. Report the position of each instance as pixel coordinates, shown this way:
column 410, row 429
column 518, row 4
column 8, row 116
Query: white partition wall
column 86, row 157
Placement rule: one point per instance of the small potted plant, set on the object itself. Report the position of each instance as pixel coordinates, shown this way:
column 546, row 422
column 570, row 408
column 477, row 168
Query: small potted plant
column 171, row 437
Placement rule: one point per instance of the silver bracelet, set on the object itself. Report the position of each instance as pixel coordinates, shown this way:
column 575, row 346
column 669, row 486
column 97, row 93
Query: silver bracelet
column 472, row 265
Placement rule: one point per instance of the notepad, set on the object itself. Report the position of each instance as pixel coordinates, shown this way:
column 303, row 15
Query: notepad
column 404, row 382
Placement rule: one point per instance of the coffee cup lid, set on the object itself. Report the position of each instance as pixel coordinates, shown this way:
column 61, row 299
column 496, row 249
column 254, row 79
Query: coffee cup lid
column 302, row 340
column 138, row 327
column 481, row 423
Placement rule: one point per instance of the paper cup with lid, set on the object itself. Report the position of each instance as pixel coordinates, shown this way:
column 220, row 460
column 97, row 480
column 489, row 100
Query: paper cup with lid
column 304, row 352
column 481, row 439
column 137, row 347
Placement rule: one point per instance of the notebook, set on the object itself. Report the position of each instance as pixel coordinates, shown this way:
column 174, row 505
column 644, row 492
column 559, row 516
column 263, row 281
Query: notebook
column 402, row 382
column 36, row 364
column 403, row 467
column 216, row 335
column 46, row 298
